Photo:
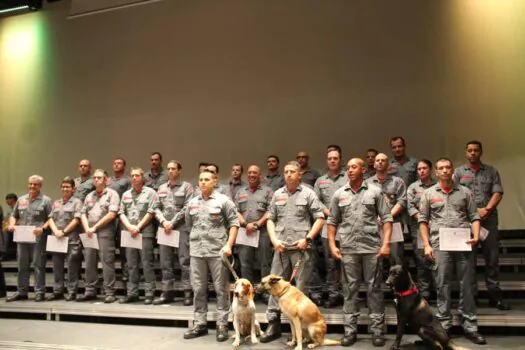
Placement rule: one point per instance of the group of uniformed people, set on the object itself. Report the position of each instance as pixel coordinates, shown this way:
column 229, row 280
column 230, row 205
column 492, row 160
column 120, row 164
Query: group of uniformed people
column 348, row 214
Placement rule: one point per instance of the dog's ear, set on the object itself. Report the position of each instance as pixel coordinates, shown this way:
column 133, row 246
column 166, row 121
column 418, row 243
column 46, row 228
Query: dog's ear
column 274, row 280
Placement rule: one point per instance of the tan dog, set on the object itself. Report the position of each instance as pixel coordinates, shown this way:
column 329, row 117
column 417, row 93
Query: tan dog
column 243, row 309
column 300, row 310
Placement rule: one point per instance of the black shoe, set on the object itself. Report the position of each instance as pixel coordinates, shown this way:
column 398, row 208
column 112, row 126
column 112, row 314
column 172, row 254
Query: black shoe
column 317, row 300
column 110, row 299
column 222, row 333
column 55, row 296
column 188, row 298
column 273, row 331
column 39, row 298
column 128, row 299
column 148, row 300
column 476, row 338
column 196, row 331
column 348, row 339
column 71, row 297
column 378, row 340
column 500, row 305
column 265, row 298
column 86, row 297
column 333, row 302
column 165, row 298
column 16, row 297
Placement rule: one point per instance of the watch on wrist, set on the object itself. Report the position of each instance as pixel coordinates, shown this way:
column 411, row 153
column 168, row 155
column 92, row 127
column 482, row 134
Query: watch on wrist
column 255, row 226
column 308, row 240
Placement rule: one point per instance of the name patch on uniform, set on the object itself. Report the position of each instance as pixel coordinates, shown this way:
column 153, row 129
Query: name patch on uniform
column 324, row 182
column 466, row 177
column 344, row 200
column 436, row 200
column 282, row 198
column 243, row 196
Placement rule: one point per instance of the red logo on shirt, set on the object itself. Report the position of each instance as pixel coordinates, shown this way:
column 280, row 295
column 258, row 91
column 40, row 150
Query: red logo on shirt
column 467, row 177
column 436, row 200
column 23, row 204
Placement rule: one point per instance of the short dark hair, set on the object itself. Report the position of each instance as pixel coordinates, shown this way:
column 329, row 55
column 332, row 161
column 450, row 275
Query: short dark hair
column 215, row 165
column 334, row 148
column 11, row 196
column 208, row 171
column 203, row 164
column 157, row 153
column 443, row 159
column 372, row 150
column 123, row 160
column 179, row 166
column 426, row 161
column 274, row 156
column 242, row 168
column 395, row 138
column 68, row 180
column 475, row 142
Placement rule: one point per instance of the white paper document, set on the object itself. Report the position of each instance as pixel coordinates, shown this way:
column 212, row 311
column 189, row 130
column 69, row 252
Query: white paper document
column 248, row 240
column 397, row 233
column 454, row 239
column 128, row 241
column 88, row 242
column 57, row 245
column 171, row 240
column 483, row 233
column 24, row 234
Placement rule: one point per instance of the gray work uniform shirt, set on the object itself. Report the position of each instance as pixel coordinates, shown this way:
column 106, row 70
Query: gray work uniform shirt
column 394, row 190
column 210, row 222
column 35, row 212
column 293, row 213
column 171, row 201
column 96, row 207
column 406, row 171
column 234, row 187
column 414, row 194
column 275, row 181
column 326, row 185
column 120, row 185
column 253, row 204
column 310, row 176
column 155, row 181
column 83, row 188
column 354, row 214
column 456, row 209
column 219, row 188
column 483, row 183
column 135, row 205
column 65, row 212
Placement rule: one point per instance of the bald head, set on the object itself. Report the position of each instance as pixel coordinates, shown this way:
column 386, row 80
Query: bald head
column 355, row 168
column 381, row 163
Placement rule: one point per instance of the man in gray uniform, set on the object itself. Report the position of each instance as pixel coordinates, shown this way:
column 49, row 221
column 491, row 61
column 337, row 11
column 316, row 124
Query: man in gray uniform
column 484, row 181
column 169, row 206
column 98, row 216
column 156, row 176
column 252, row 203
column 451, row 206
column 354, row 210
column 213, row 224
column 370, row 159
column 83, row 183
column 402, row 165
column 395, row 193
column 236, row 182
column 309, row 175
column 31, row 209
column 273, row 178
column 219, row 188
column 64, row 221
column 325, row 187
column 292, row 210
column 135, row 218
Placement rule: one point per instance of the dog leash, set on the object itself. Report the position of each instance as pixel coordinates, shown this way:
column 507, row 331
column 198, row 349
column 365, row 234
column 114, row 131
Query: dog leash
column 226, row 263
column 297, row 263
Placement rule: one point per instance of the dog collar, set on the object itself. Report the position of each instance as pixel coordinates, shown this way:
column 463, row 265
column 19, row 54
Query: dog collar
column 408, row 292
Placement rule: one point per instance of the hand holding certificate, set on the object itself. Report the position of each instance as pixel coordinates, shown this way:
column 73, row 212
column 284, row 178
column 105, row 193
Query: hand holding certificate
column 57, row 244
column 171, row 239
column 89, row 242
column 128, row 241
column 454, row 239
column 397, row 233
column 24, row 234
column 248, row 240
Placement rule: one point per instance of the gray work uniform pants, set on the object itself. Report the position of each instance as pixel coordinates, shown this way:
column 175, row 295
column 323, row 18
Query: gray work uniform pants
column 107, row 257
column 443, row 271
column 73, row 259
column 264, row 256
column 490, row 250
column 423, row 265
column 282, row 265
column 134, row 257
column 370, row 267
column 199, row 281
column 35, row 253
column 317, row 283
column 167, row 255
column 332, row 270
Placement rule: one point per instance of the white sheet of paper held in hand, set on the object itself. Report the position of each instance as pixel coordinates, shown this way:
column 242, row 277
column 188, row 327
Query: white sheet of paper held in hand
column 397, row 233
column 57, row 245
column 454, row 239
column 128, row 241
column 89, row 242
column 324, row 232
column 171, row 240
column 248, row 240
column 24, row 234
column 483, row 233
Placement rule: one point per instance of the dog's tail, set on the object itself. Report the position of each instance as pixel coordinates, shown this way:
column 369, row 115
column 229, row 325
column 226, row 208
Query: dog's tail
column 331, row 342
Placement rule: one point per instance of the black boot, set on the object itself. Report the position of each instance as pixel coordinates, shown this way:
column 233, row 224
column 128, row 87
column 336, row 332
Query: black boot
column 188, row 298
column 273, row 331
column 165, row 298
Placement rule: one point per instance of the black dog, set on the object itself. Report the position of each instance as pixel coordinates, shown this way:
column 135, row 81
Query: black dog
column 413, row 310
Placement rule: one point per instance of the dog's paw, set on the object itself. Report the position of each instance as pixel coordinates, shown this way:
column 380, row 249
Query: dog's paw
column 311, row 346
column 299, row 347
column 254, row 340
column 291, row 343
column 394, row 347
column 236, row 343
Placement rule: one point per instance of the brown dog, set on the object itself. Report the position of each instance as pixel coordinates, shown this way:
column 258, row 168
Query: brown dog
column 243, row 310
column 301, row 311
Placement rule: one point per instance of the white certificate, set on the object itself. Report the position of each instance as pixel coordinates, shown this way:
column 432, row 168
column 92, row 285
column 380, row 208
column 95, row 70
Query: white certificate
column 324, row 232
column 171, row 240
column 57, row 245
column 128, row 241
column 483, row 233
column 397, row 233
column 454, row 239
column 24, row 234
column 248, row 240
column 88, row 242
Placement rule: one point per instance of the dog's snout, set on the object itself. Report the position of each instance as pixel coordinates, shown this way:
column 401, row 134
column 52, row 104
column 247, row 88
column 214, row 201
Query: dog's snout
column 236, row 294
